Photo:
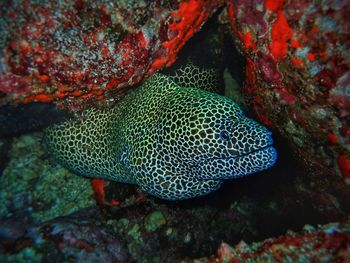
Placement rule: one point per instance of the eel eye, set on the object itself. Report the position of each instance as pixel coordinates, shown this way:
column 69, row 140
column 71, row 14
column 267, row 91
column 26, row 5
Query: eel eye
column 225, row 135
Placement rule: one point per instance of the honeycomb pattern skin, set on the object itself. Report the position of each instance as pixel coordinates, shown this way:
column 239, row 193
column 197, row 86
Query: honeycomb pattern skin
column 191, row 75
column 174, row 142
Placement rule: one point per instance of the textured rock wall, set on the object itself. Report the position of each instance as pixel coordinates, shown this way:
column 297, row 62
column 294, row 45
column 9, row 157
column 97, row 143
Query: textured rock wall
column 70, row 52
column 298, row 74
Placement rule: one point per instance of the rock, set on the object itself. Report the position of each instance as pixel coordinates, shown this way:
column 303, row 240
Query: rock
column 79, row 237
column 327, row 243
column 154, row 221
column 76, row 53
column 298, row 75
column 30, row 183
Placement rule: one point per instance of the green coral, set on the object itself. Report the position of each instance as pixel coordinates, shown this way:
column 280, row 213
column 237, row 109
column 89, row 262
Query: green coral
column 154, row 221
column 135, row 233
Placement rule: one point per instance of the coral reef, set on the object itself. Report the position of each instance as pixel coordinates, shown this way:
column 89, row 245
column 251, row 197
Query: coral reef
column 327, row 243
column 79, row 237
column 73, row 53
column 298, row 74
column 68, row 52
column 30, row 184
column 297, row 59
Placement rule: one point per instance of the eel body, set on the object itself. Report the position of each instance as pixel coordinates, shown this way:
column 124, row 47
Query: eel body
column 174, row 142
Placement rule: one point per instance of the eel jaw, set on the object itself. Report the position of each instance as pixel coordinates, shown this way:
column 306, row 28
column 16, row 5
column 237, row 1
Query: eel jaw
column 236, row 166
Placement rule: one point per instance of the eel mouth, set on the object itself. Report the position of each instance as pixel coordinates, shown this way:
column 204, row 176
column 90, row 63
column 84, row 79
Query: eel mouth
column 243, row 154
column 238, row 165
column 254, row 151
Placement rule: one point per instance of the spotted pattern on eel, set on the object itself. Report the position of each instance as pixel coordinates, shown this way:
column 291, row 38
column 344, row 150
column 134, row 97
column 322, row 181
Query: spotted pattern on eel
column 174, row 142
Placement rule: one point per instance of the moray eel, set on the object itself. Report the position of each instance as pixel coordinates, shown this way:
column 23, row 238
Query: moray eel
column 174, row 142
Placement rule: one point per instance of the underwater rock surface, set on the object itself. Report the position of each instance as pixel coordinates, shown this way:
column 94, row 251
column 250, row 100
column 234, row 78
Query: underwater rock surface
column 326, row 243
column 298, row 74
column 30, row 184
column 71, row 52
column 79, row 237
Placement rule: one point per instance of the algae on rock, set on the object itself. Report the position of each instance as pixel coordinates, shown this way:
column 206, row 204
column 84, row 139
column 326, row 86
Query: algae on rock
column 31, row 183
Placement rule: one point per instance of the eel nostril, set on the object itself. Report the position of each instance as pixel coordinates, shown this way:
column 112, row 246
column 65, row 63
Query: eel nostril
column 257, row 141
column 225, row 135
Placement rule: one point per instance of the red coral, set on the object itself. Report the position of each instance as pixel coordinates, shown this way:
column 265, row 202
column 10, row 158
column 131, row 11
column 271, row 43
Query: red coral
column 327, row 243
column 248, row 41
column 92, row 48
column 344, row 165
column 274, row 5
column 186, row 21
column 301, row 80
column 281, row 33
